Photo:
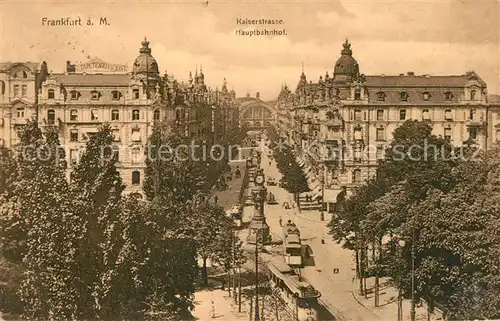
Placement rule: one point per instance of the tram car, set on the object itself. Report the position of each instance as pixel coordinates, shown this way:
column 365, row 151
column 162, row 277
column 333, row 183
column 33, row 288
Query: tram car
column 299, row 296
column 292, row 245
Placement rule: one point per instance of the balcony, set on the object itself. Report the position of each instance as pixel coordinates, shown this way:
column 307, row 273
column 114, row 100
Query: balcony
column 333, row 122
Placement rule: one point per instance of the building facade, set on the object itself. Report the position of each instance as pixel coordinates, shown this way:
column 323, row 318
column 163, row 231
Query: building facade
column 89, row 95
column 255, row 113
column 341, row 124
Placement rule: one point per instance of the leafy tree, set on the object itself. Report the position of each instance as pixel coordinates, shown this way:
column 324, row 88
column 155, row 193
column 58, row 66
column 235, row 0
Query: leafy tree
column 97, row 186
column 7, row 171
column 52, row 229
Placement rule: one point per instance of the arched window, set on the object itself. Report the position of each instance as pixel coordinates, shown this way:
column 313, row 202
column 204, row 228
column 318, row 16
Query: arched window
column 447, row 114
column 51, row 116
column 403, row 96
column 156, row 114
column 380, row 96
column 73, row 115
column 380, row 114
column 116, row 95
column 136, row 177
column 357, row 114
column 115, row 114
column 135, row 114
column 356, row 176
column 448, row 95
column 472, row 114
column 472, row 95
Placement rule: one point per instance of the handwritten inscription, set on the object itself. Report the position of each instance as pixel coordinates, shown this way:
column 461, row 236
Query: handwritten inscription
column 73, row 22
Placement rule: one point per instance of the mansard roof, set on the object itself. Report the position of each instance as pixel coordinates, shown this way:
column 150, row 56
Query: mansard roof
column 421, row 81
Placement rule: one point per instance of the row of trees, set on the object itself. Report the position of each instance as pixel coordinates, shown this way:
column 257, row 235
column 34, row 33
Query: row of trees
column 82, row 250
column 294, row 179
column 444, row 203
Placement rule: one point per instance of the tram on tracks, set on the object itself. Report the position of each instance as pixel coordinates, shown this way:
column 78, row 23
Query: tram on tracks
column 292, row 245
column 300, row 296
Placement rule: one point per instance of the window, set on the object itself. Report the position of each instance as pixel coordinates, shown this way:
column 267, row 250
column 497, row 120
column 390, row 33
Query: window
column 51, row 94
column 380, row 133
column 447, row 114
column 473, row 132
column 402, row 114
column 381, row 96
column 73, row 115
column 94, row 114
column 73, row 135
column 357, row 94
column 20, row 113
column 16, row 90
column 73, row 155
column 136, row 177
column 95, row 95
column 116, row 135
column 447, row 134
column 2, row 88
column 403, row 96
column 51, row 116
column 356, row 176
column 357, row 133
column 24, row 90
column 380, row 114
column 357, row 154
column 426, row 96
column 472, row 95
column 115, row 114
column 75, row 95
column 425, row 114
column 178, row 114
column 380, row 152
column 135, row 93
column 136, row 155
column 135, row 114
column 24, row 74
column 116, row 154
column 472, row 114
column 136, row 135
column 156, row 114
column 116, row 95
column 357, row 114
column 448, row 95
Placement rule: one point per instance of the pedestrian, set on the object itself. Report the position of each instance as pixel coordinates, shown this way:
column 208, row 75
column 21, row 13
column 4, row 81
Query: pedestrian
column 216, row 199
column 269, row 163
column 281, row 221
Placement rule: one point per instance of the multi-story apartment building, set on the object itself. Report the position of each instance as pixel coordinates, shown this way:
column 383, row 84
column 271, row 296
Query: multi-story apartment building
column 88, row 95
column 493, row 121
column 342, row 123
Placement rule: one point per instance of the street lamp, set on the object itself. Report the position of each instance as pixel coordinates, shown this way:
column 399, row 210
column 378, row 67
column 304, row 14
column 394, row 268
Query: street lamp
column 322, row 180
column 402, row 244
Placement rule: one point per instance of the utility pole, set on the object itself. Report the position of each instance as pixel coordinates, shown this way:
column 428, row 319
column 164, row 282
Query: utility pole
column 234, row 266
column 239, row 288
column 412, row 310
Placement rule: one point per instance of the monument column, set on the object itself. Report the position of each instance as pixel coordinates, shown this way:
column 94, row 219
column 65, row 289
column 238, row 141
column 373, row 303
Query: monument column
column 259, row 230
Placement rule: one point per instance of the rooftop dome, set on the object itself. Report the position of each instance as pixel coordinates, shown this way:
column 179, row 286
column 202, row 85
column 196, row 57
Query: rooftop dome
column 145, row 63
column 346, row 65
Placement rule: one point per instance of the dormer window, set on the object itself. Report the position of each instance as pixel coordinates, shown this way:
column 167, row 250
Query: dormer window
column 448, row 96
column 135, row 93
column 403, row 96
column 472, row 95
column 357, row 94
column 95, row 95
column 51, row 94
column 75, row 95
column 116, row 95
column 426, row 96
column 381, row 96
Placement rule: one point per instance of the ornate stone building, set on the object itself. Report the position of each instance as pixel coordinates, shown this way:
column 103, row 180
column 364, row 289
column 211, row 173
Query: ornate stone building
column 256, row 113
column 341, row 124
column 86, row 96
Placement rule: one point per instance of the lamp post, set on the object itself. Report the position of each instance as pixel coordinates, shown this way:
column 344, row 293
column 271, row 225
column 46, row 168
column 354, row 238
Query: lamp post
column 322, row 180
column 402, row 244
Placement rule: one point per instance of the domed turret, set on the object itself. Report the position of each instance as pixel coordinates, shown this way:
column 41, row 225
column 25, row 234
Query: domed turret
column 145, row 63
column 346, row 67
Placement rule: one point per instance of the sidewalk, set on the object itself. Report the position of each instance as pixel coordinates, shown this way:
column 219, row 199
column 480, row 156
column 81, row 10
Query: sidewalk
column 388, row 308
column 217, row 305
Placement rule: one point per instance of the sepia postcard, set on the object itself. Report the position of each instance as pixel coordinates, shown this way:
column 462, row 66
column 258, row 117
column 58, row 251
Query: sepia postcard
column 250, row 160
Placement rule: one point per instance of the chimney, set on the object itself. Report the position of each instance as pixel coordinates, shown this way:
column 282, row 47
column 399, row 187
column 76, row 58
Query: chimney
column 401, row 74
column 410, row 73
column 70, row 67
column 257, row 95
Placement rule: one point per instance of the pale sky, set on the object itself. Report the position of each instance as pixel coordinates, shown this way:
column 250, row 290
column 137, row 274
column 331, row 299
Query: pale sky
column 388, row 37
